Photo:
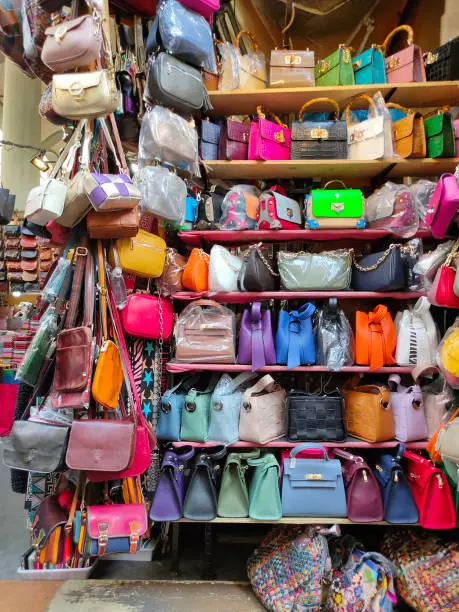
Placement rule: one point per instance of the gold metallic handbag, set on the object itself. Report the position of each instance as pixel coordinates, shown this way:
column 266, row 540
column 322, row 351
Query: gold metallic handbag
column 84, row 95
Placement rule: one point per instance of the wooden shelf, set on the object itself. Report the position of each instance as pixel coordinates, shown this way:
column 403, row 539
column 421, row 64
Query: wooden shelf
column 287, row 100
column 349, row 443
column 293, row 520
column 177, row 368
column 238, row 297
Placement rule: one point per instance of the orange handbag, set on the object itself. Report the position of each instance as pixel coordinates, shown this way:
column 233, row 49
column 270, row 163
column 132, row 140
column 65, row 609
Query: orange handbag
column 432, row 443
column 375, row 338
column 196, row 273
column 368, row 413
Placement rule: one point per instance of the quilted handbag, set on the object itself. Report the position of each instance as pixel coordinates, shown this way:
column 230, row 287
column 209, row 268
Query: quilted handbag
column 265, row 502
column 210, row 136
column 315, row 417
column 171, row 407
column 289, row 68
column 277, row 211
column 417, row 335
column 256, row 339
column 201, row 496
column 375, row 338
column 323, row 139
column 442, row 64
column 443, row 205
column 233, row 144
column 263, row 416
column 408, row 410
column 233, row 498
column 268, row 140
column 147, row 316
column 409, row 133
column 196, row 411
column 295, row 337
column 407, row 65
column 168, row 498
column 367, row 139
column 115, row 528
column 442, row 291
column 329, row 270
column 369, row 66
column 368, row 413
column 336, row 69
column 335, row 208
column 312, row 487
column 383, row 271
column 224, row 269
column 440, row 134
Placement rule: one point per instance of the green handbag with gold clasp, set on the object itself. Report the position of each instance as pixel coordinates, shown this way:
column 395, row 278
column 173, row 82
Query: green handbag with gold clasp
column 440, row 137
column 336, row 69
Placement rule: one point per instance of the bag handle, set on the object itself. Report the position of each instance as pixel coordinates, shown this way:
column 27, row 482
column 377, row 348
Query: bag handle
column 330, row 101
column 102, row 288
column 240, row 379
column 452, row 254
column 264, row 384
column 335, row 181
column 399, row 107
column 207, row 303
column 381, row 260
column 262, row 115
column 250, row 35
column 69, row 150
column 420, row 371
column 121, row 164
column 81, row 255
column 347, row 111
column 301, row 447
column 438, row 111
column 349, row 456
column 402, row 28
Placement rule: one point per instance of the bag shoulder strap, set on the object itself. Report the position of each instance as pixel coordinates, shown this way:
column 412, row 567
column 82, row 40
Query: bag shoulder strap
column 102, row 291
column 81, row 256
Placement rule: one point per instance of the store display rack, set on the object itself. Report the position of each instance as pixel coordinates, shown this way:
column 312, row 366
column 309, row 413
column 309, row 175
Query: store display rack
column 348, row 443
column 178, row 367
column 293, row 520
column 244, row 297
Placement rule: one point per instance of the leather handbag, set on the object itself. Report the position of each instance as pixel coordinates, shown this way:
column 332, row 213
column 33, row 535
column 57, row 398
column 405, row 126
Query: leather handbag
column 289, row 68
column 171, row 407
column 225, row 407
column 115, row 528
column 363, row 496
column 233, row 498
column 335, row 208
column 143, row 255
column 113, row 225
column 268, row 140
column 417, row 335
column 407, row 65
column 319, row 139
column 277, row 211
column 252, row 66
column 201, row 496
column 408, row 410
column 256, row 339
column 335, row 69
column 168, row 498
column 265, row 501
column 312, row 487
column 437, row 397
column 442, row 63
column 210, row 136
column 206, row 8
column 147, row 316
column 205, row 333
column 367, row 139
column 257, row 273
column 375, row 338
column 233, row 144
column 329, row 270
column 196, row 411
column 442, row 291
column 440, row 134
column 399, row 504
column 315, row 417
column 409, row 133
column 431, row 493
column 7, row 203
column 443, row 205
column 383, row 271
column 263, row 416
column 369, row 66
column 224, row 268
column 84, row 95
column 295, row 337
column 196, row 272
column 368, row 413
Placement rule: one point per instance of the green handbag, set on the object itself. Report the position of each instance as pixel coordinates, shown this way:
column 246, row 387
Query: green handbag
column 233, row 500
column 196, row 413
column 440, row 137
column 265, row 502
column 335, row 208
column 336, row 69
column 454, row 489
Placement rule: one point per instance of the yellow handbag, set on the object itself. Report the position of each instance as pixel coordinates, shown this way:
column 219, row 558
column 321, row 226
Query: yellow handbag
column 144, row 255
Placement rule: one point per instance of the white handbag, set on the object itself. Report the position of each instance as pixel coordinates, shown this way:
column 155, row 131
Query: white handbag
column 84, row 95
column 417, row 335
column 367, row 139
column 224, row 269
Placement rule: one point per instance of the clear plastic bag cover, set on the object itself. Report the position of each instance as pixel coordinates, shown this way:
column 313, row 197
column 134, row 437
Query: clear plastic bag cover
column 381, row 109
column 253, row 73
column 448, row 355
column 438, row 400
column 224, row 269
column 36, row 352
column 54, row 284
column 411, row 253
column 392, row 208
column 230, row 68
column 240, row 200
column 422, row 192
column 428, row 264
column 118, row 286
column 171, row 278
column 50, row 415
column 165, row 136
column 163, row 193
column 315, row 271
column 335, row 339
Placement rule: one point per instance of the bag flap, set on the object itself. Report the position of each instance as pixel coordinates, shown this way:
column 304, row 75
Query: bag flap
column 366, row 130
column 403, row 127
column 419, row 470
column 85, row 80
column 365, row 59
column 116, row 520
column 291, row 59
column 436, row 125
column 286, row 208
column 238, row 131
column 35, row 445
column 210, row 132
column 441, row 54
column 274, row 132
column 319, row 130
column 337, row 203
column 330, row 62
column 402, row 58
column 67, row 25
column 313, row 472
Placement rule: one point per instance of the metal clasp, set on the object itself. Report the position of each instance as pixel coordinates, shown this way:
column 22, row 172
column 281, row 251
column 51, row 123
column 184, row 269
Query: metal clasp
column 394, row 62
column 279, row 136
column 76, row 90
column 59, row 35
column 292, row 59
column 319, row 132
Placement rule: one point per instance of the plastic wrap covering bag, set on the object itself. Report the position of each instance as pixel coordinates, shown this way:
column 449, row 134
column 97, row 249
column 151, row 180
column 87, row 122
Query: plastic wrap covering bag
column 448, row 355
column 429, row 263
column 392, row 208
column 230, row 67
column 163, row 193
column 171, row 279
column 36, row 353
column 240, row 208
column 369, row 135
column 417, row 335
column 334, row 337
column 411, row 252
column 224, row 269
column 54, row 284
column 422, row 191
column 253, row 73
column 168, row 137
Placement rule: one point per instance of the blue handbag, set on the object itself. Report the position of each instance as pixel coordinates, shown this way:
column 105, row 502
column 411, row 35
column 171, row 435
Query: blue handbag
column 399, row 505
column 369, row 67
column 295, row 343
column 170, row 414
column 210, row 135
column 312, row 487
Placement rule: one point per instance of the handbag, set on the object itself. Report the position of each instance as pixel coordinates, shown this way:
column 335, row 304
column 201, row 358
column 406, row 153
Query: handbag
column 8, row 392
column 171, row 407
column 143, row 255
column 257, row 273
column 263, row 415
column 329, row 270
column 265, row 501
column 289, row 68
column 409, row 133
column 295, row 338
column 196, row 411
column 368, row 413
column 440, row 133
column 407, row 65
column 268, row 140
column 319, row 139
column 205, row 333
column 277, row 211
column 442, row 291
column 253, row 73
column 442, row 64
column 432, row 443
column 399, row 504
column 147, row 316
column 224, row 270
column 163, row 193
column 447, row 357
column 447, row 447
column 380, row 272
column 196, row 272
column 233, row 497
column 210, row 136
column 335, row 208
column 256, row 339
column 334, row 337
column 201, row 496
column 437, row 397
column 363, row 496
column 84, row 95
column 443, row 205
column 7, row 202
column 417, row 335
column 171, row 278
column 335, row 69
column 113, row 225
column 315, row 417
column 225, row 407
column 367, row 139
column 168, row 498
column 206, row 8
column 369, row 66
column 408, row 410
column 233, row 144
column 312, row 487
column 115, row 528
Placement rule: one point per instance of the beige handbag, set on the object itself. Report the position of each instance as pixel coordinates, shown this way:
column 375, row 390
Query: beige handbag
column 437, row 397
column 367, row 139
column 263, row 415
column 84, row 95
column 253, row 73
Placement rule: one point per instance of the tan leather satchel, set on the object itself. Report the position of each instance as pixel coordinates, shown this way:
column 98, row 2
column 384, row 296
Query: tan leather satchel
column 368, row 413
column 408, row 132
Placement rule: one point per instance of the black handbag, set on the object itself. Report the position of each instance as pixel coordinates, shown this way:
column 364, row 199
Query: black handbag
column 210, row 209
column 7, row 201
column 442, row 64
column 257, row 273
column 201, row 497
column 383, row 271
column 315, row 417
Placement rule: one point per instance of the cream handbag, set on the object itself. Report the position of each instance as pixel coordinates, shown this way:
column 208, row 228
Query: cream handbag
column 84, row 95
column 417, row 335
column 367, row 139
column 224, row 269
column 263, row 414
column 253, row 73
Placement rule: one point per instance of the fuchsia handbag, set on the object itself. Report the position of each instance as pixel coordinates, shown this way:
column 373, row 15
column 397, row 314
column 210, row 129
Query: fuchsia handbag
column 268, row 140
column 442, row 291
column 206, row 8
column 140, row 317
column 443, row 205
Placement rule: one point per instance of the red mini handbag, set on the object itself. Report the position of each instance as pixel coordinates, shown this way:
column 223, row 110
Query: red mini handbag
column 140, row 317
column 442, row 291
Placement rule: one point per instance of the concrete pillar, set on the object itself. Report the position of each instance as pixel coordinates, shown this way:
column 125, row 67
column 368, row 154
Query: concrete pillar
column 449, row 21
column 21, row 124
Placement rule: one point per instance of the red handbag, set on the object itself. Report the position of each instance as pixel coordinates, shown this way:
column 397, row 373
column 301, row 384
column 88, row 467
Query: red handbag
column 431, row 492
column 140, row 317
column 441, row 293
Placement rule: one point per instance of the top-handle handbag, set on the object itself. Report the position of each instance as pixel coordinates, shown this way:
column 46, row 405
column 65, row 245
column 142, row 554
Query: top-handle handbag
column 443, row 205
column 369, row 66
column 256, row 339
column 201, row 496
column 375, row 338
column 335, row 208
column 170, row 413
column 295, row 337
column 323, row 139
column 233, row 498
column 440, row 133
column 409, row 133
column 417, row 335
column 263, row 416
column 442, row 64
column 233, row 143
column 408, row 410
column 383, row 271
column 268, row 140
column 252, row 66
column 407, row 65
column 367, row 139
column 315, row 416
column 289, row 68
column 265, row 502
column 336, row 69
column 368, row 412
column 167, row 502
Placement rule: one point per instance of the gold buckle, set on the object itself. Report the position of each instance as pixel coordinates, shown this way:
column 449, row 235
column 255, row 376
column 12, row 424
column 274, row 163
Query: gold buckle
column 323, row 66
column 60, row 34
column 292, row 59
column 319, row 132
column 76, row 90
column 103, row 538
column 356, row 65
column 431, row 58
column 81, row 252
column 313, row 477
column 394, row 62
column 279, row 136
column 337, row 207
column 245, row 137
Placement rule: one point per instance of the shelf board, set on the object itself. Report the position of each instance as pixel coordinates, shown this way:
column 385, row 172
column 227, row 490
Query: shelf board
column 422, row 167
column 293, row 520
column 349, row 443
column 238, row 297
column 177, row 368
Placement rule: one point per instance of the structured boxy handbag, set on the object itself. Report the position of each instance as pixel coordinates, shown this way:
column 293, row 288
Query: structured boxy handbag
column 367, row 139
column 265, row 502
column 335, row 208
column 113, row 225
column 196, row 411
column 363, row 496
column 172, row 404
column 336, row 69
column 147, row 316
column 442, row 64
column 201, row 496
column 295, row 343
column 407, row 65
column 314, row 417
column 408, row 410
column 167, row 503
column 383, row 271
column 443, row 205
column 263, row 416
column 256, row 338
column 268, row 140
column 196, row 272
column 289, row 68
column 440, row 134
column 442, row 291
column 375, row 338
column 312, row 487
column 417, row 335
column 368, row 413
column 319, row 139
column 252, row 66
column 257, row 273
column 233, row 498
column 369, row 66
column 143, row 255
column 210, row 136
column 84, row 95
column 315, row 271
column 437, row 397
column 233, row 144
column 409, row 133
column 277, row 211
column 115, row 528
column 224, row 268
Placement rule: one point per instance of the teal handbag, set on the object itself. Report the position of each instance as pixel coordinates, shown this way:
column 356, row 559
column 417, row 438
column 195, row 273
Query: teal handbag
column 265, row 502
column 369, row 67
column 456, row 283
column 196, row 413
column 233, row 500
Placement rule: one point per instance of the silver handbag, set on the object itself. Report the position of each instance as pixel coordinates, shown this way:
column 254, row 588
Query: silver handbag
column 315, row 271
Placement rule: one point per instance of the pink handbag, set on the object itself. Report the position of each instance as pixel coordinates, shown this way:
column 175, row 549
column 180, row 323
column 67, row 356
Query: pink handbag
column 59, row 234
column 408, row 410
column 407, row 65
column 8, row 393
column 268, row 140
column 442, row 291
column 277, row 211
column 205, row 7
column 140, row 316
column 456, row 133
column 443, row 205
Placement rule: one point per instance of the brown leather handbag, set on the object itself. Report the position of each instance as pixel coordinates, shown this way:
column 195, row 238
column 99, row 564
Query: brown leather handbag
column 408, row 132
column 368, row 413
column 116, row 224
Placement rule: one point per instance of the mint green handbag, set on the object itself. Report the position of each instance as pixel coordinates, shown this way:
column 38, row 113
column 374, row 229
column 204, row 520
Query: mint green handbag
column 265, row 502
column 196, row 413
column 233, row 501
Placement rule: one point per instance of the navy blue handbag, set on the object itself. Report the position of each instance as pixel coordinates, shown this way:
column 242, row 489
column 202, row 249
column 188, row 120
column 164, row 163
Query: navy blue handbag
column 210, row 134
column 170, row 414
column 295, row 343
column 399, row 505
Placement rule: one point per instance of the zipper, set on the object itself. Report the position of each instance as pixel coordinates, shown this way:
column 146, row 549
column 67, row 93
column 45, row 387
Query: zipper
column 171, row 67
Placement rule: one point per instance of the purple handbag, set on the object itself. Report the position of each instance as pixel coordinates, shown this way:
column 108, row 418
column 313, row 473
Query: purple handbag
column 256, row 339
column 167, row 504
column 408, row 409
column 233, row 143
